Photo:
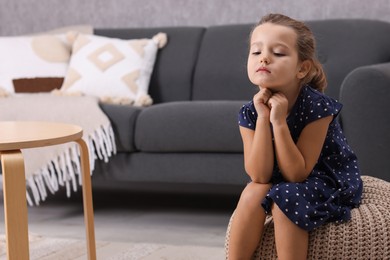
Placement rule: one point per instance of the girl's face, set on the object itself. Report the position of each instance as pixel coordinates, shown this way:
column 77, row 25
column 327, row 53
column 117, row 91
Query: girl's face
column 273, row 58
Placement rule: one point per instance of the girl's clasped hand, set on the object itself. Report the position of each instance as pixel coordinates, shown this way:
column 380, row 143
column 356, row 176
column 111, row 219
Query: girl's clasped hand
column 271, row 105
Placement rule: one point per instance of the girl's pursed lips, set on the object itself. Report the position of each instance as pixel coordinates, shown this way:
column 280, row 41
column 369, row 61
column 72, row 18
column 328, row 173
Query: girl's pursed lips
column 263, row 69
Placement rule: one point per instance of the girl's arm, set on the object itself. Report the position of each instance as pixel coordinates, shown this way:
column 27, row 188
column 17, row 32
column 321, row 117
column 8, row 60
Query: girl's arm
column 258, row 148
column 258, row 151
column 296, row 161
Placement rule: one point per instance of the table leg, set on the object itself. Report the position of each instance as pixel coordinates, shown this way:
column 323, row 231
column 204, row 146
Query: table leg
column 15, row 205
column 87, row 200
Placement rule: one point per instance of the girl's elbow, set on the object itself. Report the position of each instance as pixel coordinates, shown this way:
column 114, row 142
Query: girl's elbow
column 258, row 177
column 260, row 180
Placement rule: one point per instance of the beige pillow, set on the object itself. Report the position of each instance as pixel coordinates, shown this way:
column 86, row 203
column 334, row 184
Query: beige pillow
column 115, row 70
column 42, row 58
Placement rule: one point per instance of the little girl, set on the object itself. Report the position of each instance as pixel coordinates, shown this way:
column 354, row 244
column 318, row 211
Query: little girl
column 303, row 171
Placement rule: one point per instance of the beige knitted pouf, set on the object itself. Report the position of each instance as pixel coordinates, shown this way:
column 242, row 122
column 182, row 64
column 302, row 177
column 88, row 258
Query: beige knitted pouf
column 365, row 236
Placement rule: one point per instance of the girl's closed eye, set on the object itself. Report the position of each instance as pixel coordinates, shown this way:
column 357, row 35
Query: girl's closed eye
column 256, row 53
column 279, row 54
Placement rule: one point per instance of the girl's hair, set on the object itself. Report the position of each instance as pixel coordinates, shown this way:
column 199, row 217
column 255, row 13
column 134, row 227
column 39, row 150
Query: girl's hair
column 306, row 46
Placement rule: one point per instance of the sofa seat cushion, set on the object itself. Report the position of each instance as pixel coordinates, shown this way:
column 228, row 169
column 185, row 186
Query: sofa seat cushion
column 123, row 120
column 195, row 126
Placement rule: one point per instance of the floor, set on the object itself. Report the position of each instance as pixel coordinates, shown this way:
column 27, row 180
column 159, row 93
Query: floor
column 136, row 217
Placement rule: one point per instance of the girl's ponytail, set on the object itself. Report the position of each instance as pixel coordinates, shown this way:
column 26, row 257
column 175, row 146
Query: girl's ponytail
column 316, row 77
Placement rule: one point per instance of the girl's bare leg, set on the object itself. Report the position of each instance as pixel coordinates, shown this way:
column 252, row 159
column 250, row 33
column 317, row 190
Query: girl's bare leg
column 248, row 222
column 291, row 241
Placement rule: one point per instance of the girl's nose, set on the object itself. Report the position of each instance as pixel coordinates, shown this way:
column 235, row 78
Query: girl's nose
column 264, row 60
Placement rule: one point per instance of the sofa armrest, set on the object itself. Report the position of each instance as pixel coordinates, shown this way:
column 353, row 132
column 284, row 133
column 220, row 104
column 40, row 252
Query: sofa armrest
column 365, row 94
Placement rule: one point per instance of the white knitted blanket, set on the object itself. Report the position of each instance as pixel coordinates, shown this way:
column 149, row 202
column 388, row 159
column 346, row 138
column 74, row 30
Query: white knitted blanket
column 59, row 165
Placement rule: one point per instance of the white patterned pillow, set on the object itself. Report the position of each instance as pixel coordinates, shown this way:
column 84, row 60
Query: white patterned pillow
column 38, row 62
column 40, row 56
column 115, row 70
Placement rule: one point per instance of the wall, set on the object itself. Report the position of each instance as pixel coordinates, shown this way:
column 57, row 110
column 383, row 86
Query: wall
column 26, row 16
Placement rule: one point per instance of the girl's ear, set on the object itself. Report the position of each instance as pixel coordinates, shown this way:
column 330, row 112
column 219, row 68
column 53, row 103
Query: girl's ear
column 305, row 68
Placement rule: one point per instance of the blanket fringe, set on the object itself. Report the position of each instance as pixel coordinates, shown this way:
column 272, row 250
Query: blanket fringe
column 66, row 169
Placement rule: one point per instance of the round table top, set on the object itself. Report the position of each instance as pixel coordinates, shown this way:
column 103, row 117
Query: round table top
column 16, row 135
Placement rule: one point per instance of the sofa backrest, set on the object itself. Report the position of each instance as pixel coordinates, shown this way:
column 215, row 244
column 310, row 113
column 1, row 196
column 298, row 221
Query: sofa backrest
column 210, row 63
column 342, row 46
column 172, row 74
column 220, row 72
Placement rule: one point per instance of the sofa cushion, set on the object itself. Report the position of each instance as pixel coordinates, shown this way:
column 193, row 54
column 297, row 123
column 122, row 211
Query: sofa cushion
column 173, row 71
column 221, row 68
column 344, row 45
column 122, row 119
column 31, row 57
column 115, row 70
column 197, row 126
column 38, row 62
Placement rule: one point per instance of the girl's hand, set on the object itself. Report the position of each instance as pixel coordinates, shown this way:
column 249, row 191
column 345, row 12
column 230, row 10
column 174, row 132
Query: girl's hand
column 278, row 104
column 260, row 102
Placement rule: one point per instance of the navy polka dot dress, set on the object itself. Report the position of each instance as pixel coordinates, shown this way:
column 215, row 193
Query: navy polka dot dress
column 334, row 186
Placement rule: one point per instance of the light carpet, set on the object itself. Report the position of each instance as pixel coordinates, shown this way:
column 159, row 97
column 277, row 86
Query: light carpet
column 48, row 248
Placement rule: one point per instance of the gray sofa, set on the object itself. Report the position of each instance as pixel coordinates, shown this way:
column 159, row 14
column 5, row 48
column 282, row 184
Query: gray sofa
column 189, row 139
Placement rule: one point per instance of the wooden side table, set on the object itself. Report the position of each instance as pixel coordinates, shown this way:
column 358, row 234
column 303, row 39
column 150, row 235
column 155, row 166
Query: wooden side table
column 18, row 135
